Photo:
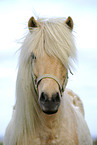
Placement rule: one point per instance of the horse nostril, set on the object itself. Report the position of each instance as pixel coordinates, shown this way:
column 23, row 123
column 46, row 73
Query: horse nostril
column 44, row 97
column 56, row 97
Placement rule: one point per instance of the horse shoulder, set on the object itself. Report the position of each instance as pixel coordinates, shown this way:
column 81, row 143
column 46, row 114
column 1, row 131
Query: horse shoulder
column 76, row 101
column 84, row 135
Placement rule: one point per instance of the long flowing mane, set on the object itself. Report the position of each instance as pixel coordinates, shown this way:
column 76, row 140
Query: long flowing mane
column 53, row 37
column 44, row 39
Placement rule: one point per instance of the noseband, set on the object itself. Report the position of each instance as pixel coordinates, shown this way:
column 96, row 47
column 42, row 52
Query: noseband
column 36, row 80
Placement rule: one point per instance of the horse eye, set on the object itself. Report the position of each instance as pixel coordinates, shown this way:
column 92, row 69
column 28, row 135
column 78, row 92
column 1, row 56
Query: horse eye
column 33, row 57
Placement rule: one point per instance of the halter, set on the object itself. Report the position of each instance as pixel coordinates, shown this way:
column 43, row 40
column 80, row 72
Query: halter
column 36, row 80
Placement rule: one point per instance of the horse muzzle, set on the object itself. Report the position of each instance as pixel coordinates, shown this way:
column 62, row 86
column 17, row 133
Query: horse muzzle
column 49, row 105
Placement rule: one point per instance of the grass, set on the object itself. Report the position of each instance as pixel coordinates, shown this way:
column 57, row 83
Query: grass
column 94, row 143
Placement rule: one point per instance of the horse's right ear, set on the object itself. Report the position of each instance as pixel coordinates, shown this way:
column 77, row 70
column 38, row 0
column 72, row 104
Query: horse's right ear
column 69, row 22
column 32, row 23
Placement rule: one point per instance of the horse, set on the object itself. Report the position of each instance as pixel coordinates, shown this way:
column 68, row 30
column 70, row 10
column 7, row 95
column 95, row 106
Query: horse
column 46, row 112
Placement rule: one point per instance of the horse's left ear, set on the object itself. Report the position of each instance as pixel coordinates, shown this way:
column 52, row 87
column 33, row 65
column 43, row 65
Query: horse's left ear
column 69, row 22
column 32, row 23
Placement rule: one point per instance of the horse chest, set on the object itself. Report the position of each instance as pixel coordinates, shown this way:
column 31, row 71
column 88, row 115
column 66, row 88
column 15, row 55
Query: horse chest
column 46, row 141
column 59, row 138
column 51, row 139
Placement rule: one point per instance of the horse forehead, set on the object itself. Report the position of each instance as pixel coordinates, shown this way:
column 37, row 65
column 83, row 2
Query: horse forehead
column 49, row 60
column 49, row 64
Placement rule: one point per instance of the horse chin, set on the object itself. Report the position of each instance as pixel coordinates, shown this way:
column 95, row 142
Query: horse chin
column 49, row 112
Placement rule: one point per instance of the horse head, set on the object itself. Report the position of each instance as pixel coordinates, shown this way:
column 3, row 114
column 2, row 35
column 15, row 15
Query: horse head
column 49, row 75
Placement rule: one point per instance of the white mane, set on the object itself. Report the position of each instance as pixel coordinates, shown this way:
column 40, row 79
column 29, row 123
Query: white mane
column 55, row 38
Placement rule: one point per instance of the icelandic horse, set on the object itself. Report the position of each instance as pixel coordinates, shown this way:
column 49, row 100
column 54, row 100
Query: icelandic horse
column 46, row 112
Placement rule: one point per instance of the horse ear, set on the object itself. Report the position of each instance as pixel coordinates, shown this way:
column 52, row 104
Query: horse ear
column 69, row 22
column 32, row 23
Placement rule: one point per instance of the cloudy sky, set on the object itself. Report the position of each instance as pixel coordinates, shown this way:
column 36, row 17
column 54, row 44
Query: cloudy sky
column 14, row 16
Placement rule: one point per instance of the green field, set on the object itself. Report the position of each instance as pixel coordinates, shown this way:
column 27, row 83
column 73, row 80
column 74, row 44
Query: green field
column 95, row 143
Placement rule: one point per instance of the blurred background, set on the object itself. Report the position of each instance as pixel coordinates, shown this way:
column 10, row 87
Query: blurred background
column 14, row 16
